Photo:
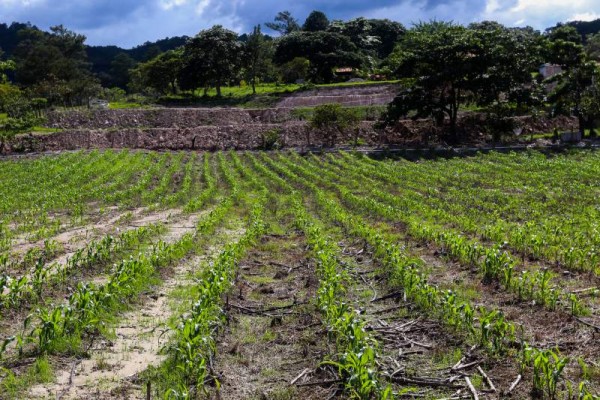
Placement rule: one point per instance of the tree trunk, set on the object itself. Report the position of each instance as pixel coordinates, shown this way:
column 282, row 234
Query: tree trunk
column 253, row 80
column 581, row 125
column 218, row 87
column 592, row 128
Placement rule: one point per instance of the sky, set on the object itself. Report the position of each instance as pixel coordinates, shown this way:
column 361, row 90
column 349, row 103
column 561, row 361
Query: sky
column 128, row 23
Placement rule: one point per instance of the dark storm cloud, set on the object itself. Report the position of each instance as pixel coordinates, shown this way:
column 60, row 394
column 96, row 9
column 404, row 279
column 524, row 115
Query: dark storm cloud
column 131, row 22
column 83, row 14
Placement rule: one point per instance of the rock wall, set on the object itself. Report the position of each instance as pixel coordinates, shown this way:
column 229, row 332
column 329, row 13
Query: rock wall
column 165, row 118
column 187, row 129
column 350, row 96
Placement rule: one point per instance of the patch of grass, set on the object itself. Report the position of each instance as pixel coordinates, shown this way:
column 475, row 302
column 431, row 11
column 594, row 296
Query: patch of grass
column 269, row 336
column 285, row 393
column 102, row 364
column 14, row 387
column 477, row 381
column 246, row 332
column 268, row 372
column 447, row 357
column 42, row 130
column 260, row 279
column 246, row 90
column 368, row 113
column 266, row 94
column 121, row 105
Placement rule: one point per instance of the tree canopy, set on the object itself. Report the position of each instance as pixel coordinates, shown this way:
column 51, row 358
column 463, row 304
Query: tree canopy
column 324, row 50
column 316, row 21
column 211, row 58
column 446, row 66
column 284, row 23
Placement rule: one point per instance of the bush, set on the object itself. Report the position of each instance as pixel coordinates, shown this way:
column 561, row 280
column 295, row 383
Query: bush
column 270, row 139
column 333, row 119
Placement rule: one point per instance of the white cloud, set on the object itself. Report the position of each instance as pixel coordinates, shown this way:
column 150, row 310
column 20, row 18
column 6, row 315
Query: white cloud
column 587, row 16
column 169, row 4
column 540, row 13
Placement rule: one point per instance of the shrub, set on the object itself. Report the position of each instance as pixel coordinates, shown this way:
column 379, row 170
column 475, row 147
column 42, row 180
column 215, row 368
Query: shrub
column 333, row 119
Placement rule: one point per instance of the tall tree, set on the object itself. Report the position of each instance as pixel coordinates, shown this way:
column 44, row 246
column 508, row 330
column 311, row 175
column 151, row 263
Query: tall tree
column 324, row 50
column 447, row 65
column 388, row 32
column 592, row 47
column 284, row 23
column 120, row 69
column 258, row 54
column 316, row 21
column 437, row 59
column 54, row 64
column 211, row 58
column 160, row 73
column 578, row 74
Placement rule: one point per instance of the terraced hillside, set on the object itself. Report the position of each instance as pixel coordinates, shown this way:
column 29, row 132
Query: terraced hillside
column 256, row 275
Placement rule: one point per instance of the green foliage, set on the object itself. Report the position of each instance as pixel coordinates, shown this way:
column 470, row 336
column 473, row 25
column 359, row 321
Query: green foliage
column 449, row 65
column 211, row 58
column 159, row 74
column 333, row 120
column 54, row 66
column 284, row 23
column 592, row 47
column 271, row 139
column 295, row 70
column 258, row 53
column 324, row 50
column 316, row 21
column 574, row 93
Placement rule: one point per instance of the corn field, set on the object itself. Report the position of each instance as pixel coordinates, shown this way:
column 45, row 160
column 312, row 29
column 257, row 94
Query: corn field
column 272, row 275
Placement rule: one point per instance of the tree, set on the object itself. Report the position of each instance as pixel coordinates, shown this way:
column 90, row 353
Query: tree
column 324, row 50
column 5, row 66
column 566, row 50
column 592, row 47
column 294, row 70
column 358, row 30
column 316, row 21
column 448, row 65
column 20, row 115
column 437, row 59
column 120, row 69
column 564, row 47
column 160, row 73
column 506, row 57
column 54, row 64
column 258, row 53
column 388, row 32
column 211, row 58
column 590, row 104
column 284, row 23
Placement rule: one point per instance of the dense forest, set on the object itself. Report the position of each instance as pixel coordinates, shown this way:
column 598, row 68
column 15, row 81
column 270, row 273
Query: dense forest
column 442, row 66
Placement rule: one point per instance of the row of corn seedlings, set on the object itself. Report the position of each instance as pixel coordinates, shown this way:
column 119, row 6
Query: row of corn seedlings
column 570, row 237
column 15, row 290
column 488, row 328
column 194, row 339
column 356, row 349
column 494, row 263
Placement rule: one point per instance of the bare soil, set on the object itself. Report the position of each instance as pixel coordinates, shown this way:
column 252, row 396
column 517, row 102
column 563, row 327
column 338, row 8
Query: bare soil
column 274, row 334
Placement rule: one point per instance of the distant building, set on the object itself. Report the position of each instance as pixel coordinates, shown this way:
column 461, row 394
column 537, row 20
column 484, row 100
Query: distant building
column 549, row 70
column 345, row 72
